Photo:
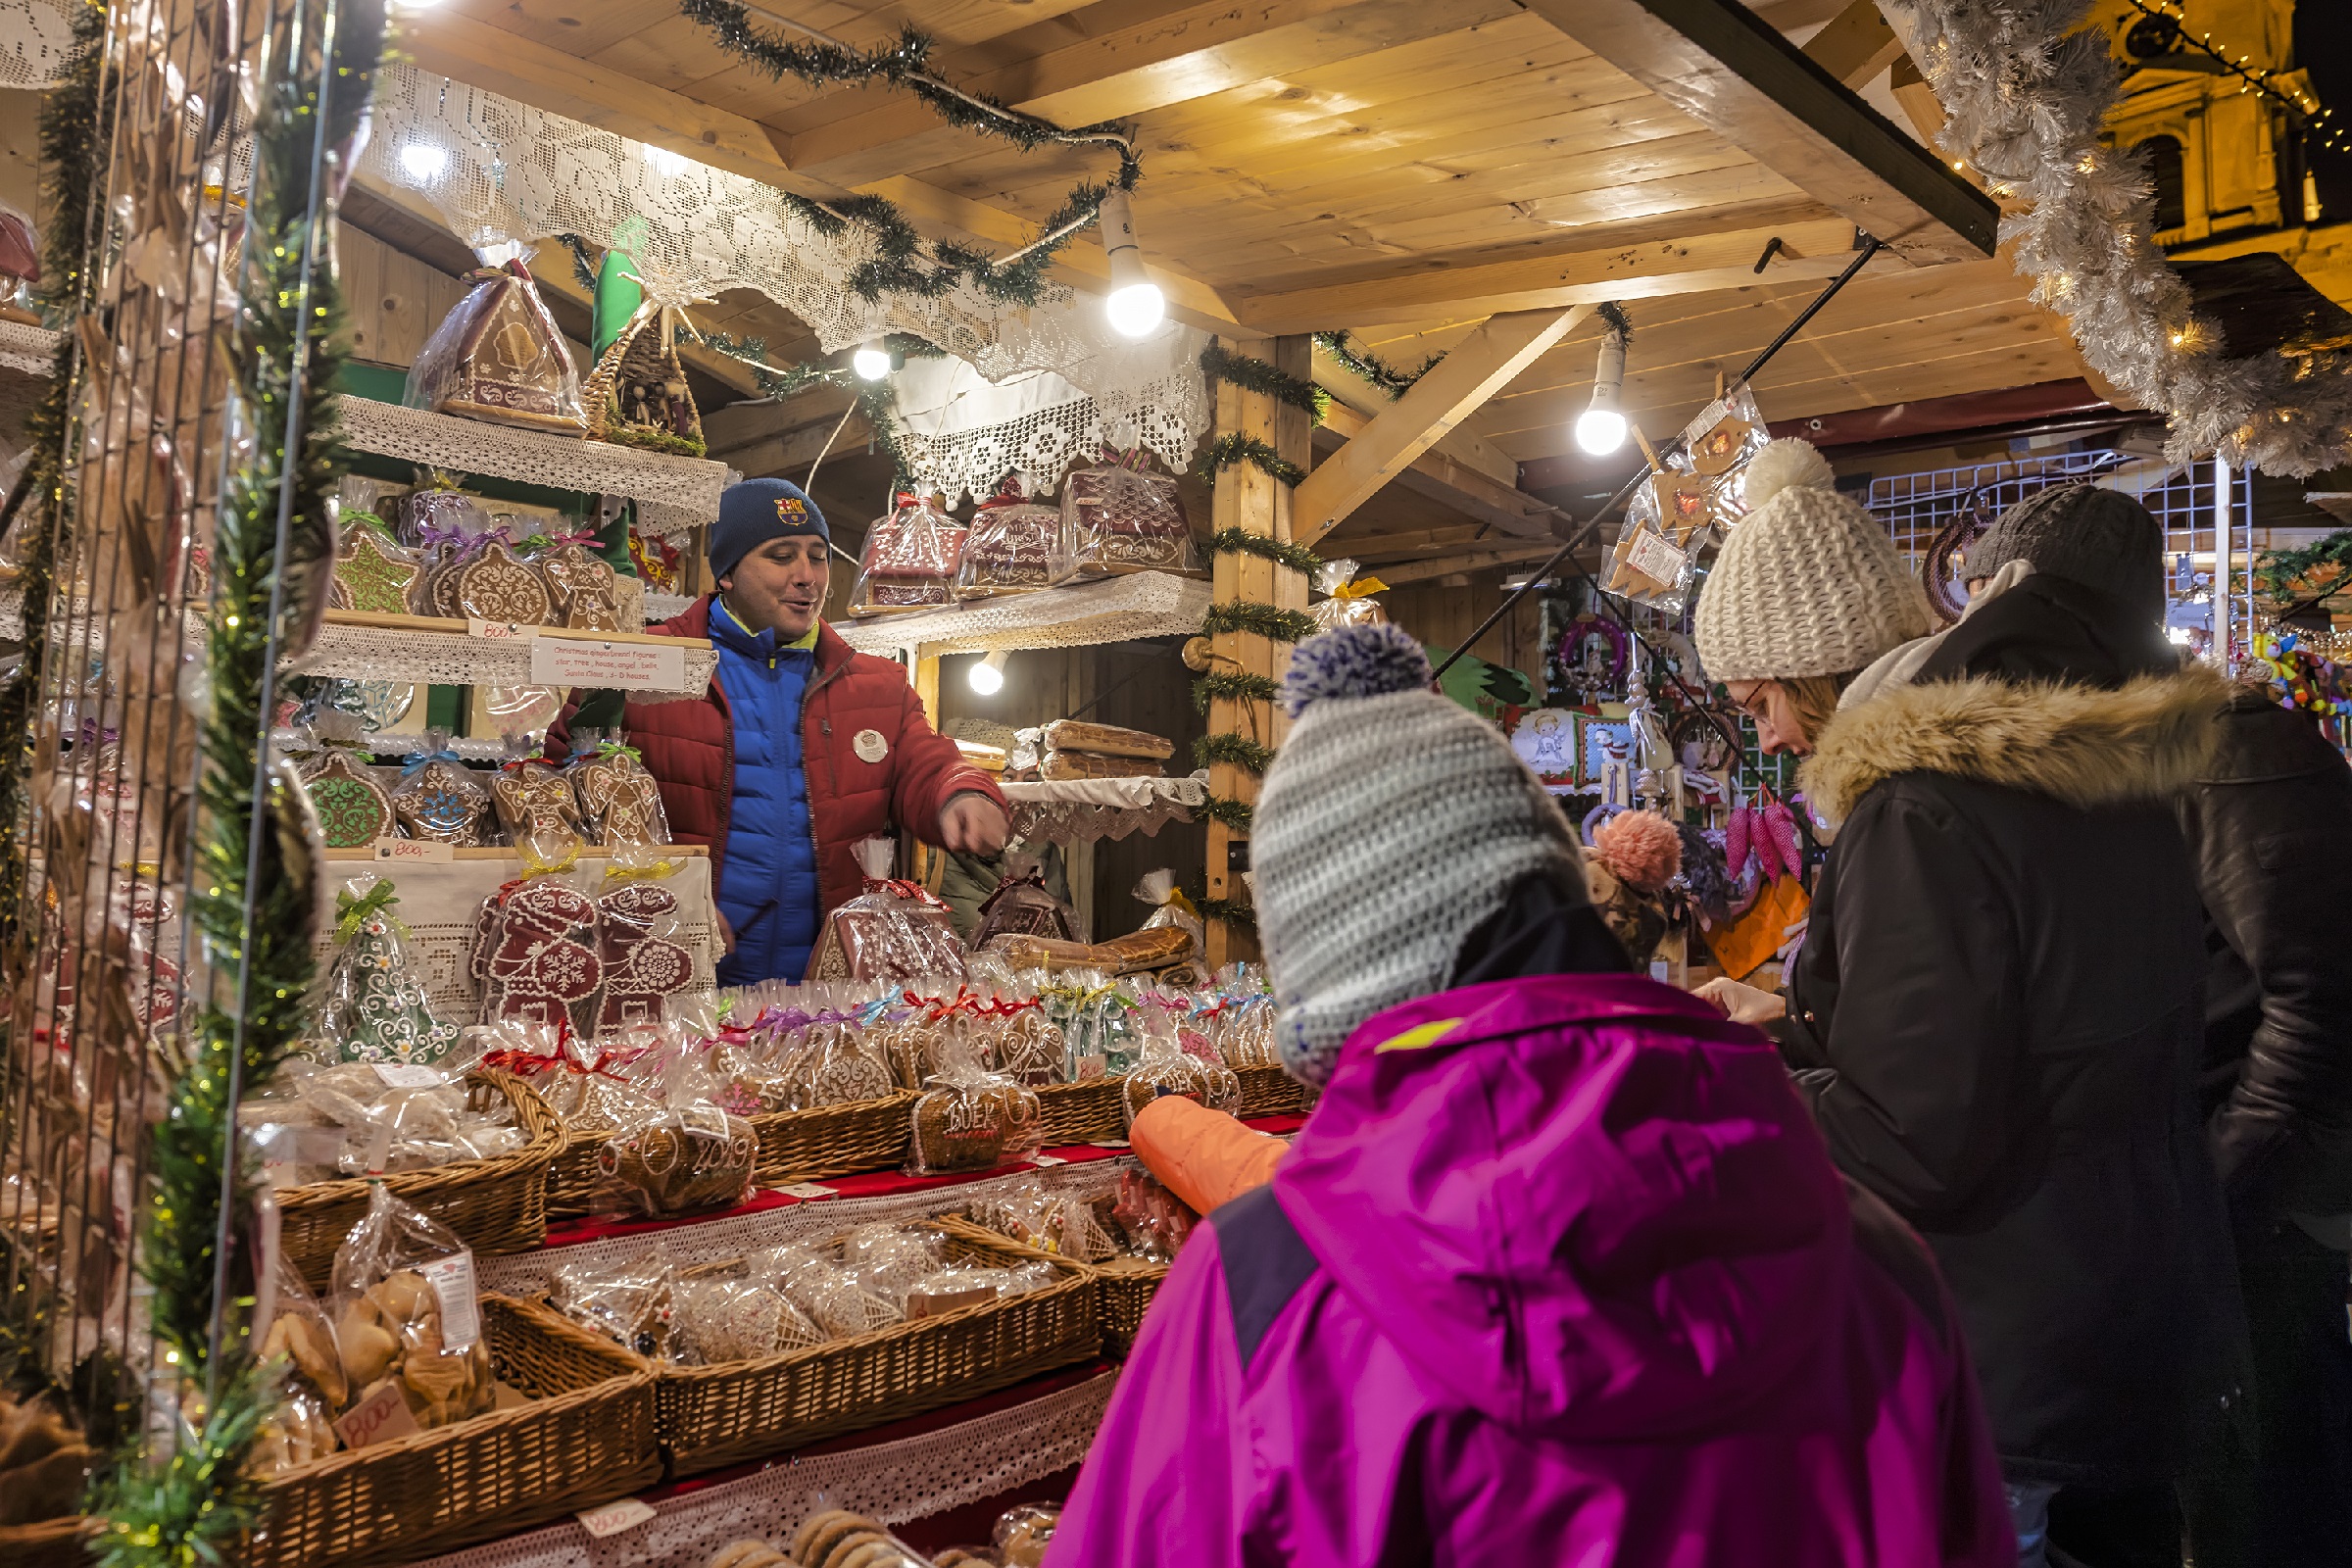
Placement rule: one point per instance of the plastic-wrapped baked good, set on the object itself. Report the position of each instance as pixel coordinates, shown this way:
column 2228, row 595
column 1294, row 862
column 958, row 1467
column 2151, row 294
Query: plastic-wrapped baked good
column 887, row 1259
column 376, row 1007
column 1170, row 907
column 535, row 800
column 968, row 1119
column 1063, row 1223
column 833, row 1299
column 538, row 953
column 1015, row 545
column 622, row 801
column 1349, row 601
column 353, row 808
column 645, row 964
column 492, row 585
column 677, row 1160
column 316, row 1390
column 1023, row 1534
column 740, row 1320
column 583, row 584
column 1059, row 768
column 1030, row 1047
column 1123, row 518
column 1106, row 740
column 633, row 1305
column 910, row 559
column 1155, row 1221
column 499, row 355
column 438, row 798
column 1020, row 904
column 1164, row 1067
column 892, row 931
column 1155, row 947
column 437, row 513
column 406, row 1319
column 372, row 572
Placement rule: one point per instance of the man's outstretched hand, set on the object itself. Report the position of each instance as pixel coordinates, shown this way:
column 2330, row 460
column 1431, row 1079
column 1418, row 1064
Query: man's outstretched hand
column 973, row 824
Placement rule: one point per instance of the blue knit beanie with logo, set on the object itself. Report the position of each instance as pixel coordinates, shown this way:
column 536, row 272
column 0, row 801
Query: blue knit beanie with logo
column 753, row 512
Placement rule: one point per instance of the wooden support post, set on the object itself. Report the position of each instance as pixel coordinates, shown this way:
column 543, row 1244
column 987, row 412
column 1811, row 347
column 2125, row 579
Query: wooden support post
column 1248, row 499
column 926, row 691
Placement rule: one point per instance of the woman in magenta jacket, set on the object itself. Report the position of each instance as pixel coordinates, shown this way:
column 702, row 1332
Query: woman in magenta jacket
column 1559, row 1270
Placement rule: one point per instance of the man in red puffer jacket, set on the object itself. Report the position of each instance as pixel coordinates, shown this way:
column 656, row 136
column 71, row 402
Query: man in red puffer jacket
column 802, row 747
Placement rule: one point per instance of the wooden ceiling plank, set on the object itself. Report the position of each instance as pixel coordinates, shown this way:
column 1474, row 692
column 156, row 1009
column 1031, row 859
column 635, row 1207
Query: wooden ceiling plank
column 1729, row 69
column 1481, row 366
column 1855, row 45
column 1444, row 479
column 1636, row 271
column 1468, row 561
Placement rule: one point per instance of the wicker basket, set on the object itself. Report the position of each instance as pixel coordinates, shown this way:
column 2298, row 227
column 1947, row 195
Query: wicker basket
column 494, row 1206
column 1272, row 1092
column 1082, row 1113
column 721, row 1415
column 794, row 1145
column 1124, row 1289
column 588, row 1436
column 62, row 1542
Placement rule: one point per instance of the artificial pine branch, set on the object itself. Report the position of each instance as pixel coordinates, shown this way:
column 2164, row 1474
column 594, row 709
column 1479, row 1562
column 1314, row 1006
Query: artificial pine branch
column 1234, row 448
column 583, row 266
column 1238, row 750
column 1264, row 621
column 1253, row 374
column 1371, row 366
column 1282, row 552
column 1234, row 686
column 1613, row 317
column 1235, row 815
column 1233, row 912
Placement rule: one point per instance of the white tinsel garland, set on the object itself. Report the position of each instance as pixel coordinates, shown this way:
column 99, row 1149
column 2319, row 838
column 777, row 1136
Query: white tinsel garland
column 2025, row 98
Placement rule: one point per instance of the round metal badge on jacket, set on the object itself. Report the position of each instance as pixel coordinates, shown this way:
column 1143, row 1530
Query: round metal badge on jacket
column 870, row 746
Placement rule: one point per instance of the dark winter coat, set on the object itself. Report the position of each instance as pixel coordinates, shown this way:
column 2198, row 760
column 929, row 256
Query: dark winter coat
column 770, row 899
column 689, row 747
column 2270, row 827
column 1998, row 1000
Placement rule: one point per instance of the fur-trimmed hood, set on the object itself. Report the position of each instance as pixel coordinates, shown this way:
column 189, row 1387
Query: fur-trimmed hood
column 2083, row 744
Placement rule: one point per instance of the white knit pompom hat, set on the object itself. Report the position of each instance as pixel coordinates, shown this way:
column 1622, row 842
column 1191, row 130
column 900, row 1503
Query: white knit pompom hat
column 1809, row 584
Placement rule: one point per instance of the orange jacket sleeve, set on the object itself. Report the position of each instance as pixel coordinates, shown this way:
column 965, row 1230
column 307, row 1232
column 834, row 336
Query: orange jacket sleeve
column 1204, row 1157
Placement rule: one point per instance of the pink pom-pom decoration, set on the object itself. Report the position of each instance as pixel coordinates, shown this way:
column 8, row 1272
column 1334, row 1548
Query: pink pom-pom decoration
column 1641, row 849
column 1735, row 842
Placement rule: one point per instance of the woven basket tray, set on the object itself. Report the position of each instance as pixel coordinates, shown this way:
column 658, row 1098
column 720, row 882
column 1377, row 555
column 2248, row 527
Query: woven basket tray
column 63, row 1542
column 588, row 1436
column 1081, row 1113
column 721, row 1415
column 1272, row 1092
column 494, row 1206
column 794, row 1145
column 1124, row 1289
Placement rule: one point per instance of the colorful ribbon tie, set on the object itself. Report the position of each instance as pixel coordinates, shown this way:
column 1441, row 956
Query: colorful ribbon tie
column 1359, row 588
column 351, row 914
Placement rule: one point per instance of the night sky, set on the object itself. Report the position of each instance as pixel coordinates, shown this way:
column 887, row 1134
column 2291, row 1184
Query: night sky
column 2323, row 46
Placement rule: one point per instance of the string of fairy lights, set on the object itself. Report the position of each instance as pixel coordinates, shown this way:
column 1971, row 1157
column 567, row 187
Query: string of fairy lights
column 2314, row 118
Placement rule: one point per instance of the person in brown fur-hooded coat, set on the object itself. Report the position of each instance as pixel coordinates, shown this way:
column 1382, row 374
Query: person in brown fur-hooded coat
column 1996, row 1009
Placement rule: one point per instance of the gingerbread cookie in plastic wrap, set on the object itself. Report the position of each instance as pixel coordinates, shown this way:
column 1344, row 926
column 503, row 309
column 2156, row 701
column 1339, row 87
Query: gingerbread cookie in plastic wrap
column 499, row 355
column 968, row 1119
column 893, row 931
column 1123, row 518
column 438, row 798
column 1349, row 601
column 407, row 1317
column 1022, row 906
column 645, row 964
column 353, row 808
column 1016, row 545
column 679, row 1159
column 535, row 800
column 376, row 1007
column 538, row 953
column 622, row 800
column 910, row 559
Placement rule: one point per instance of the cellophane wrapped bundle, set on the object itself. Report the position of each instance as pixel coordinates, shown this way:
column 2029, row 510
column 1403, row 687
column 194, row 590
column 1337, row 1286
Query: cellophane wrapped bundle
column 538, row 953
column 1036, row 1216
column 318, row 1122
column 620, row 799
column 894, row 930
column 1164, row 1067
column 373, row 1006
column 1016, row 545
column 969, row 1119
column 1021, row 906
column 631, row 1303
column 499, row 355
column 1349, row 603
column 316, row 1391
column 910, row 561
column 1123, row 518
column 679, row 1159
column 407, row 1315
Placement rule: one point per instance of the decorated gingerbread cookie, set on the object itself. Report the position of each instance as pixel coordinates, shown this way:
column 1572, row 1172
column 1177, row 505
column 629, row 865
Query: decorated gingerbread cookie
column 585, row 595
column 621, row 797
column 544, row 967
column 494, row 586
column 641, row 967
column 437, row 799
column 353, row 808
column 373, row 574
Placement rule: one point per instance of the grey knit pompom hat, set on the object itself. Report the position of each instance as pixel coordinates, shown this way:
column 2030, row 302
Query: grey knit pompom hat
column 1393, row 824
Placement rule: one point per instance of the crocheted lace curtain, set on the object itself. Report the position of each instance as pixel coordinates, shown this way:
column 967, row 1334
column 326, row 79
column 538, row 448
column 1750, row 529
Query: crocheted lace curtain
column 34, row 35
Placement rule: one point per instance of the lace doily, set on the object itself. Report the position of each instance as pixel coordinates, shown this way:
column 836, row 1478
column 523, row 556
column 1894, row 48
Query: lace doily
column 390, row 746
column 1076, row 810
column 35, row 36
column 448, row 659
column 1117, row 610
column 663, row 607
column 913, row 1477
column 30, row 349
column 439, row 904
column 673, row 494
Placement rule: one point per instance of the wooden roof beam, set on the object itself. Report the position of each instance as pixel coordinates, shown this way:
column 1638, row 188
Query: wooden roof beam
column 1820, row 247
column 1728, row 68
column 1474, row 371
column 1446, row 480
column 1469, row 560
column 1855, row 45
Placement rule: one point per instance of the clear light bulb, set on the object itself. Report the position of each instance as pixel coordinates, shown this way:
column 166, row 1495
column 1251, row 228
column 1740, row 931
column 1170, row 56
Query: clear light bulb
column 872, row 361
column 1600, row 432
column 1135, row 310
column 988, row 676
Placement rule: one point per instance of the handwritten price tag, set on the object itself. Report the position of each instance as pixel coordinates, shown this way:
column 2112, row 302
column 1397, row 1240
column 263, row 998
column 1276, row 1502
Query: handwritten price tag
column 624, row 666
column 499, row 631
column 614, row 1517
column 807, row 1190
column 378, row 1418
column 419, row 852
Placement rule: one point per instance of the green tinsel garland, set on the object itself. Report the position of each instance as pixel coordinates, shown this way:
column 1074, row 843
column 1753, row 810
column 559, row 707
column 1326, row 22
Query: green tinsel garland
column 193, row 1507
column 2277, row 571
column 1233, row 912
column 1264, row 621
column 1235, row 815
column 1253, row 374
column 1233, row 686
column 1371, row 366
column 1281, row 551
column 1613, row 317
column 1239, row 749
column 1234, row 448
column 583, row 265
column 897, row 266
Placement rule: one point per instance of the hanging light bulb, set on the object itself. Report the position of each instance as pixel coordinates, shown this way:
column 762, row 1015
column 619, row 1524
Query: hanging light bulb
column 1601, row 429
column 1136, row 305
column 872, row 361
column 988, row 676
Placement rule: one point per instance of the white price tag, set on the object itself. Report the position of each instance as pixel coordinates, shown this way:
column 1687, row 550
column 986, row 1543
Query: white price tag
column 1110, row 1143
column 379, row 1418
column 614, row 1517
column 499, row 631
column 407, row 1075
column 1655, row 559
column 1708, row 419
column 807, row 1190
column 625, row 666
column 452, row 1280
column 423, row 852
column 1043, row 1160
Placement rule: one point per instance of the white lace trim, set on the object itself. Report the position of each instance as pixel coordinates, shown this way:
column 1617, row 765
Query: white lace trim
column 35, row 38
column 446, row 659
column 913, row 1477
column 30, row 349
column 1117, row 610
column 673, row 494
column 722, row 1240
column 1075, row 810
column 389, row 746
